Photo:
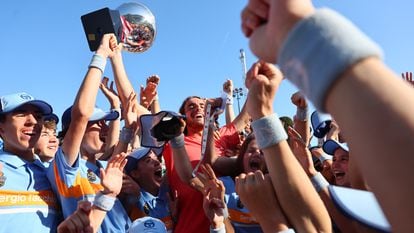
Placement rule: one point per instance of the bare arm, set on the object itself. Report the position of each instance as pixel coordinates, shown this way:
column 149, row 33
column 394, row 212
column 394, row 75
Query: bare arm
column 229, row 112
column 123, row 84
column 85, row 101
column 370, row 80
column 114, row 126
column 291, row 184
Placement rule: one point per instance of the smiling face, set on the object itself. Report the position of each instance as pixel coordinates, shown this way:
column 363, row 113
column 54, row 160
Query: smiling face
column 194, row 112
column 20, row 130
column 48, row 144
column 340, row 167
column 148, row 173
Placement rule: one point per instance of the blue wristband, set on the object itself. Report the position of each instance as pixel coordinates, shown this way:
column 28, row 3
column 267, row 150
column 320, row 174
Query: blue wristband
column 268, row 131
column 321, row 47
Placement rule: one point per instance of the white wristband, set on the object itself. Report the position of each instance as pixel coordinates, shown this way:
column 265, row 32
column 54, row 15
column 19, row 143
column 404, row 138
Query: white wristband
column 98, row 62
column 268, row 131
column 126, row 135
column 104, row 202
column 302, row 114
column 319, row 182
column 321, row 47
column 290, row 230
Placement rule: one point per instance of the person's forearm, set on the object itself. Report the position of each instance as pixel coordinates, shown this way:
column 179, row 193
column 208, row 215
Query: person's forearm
column 82, row 109
column 370, row 89
column 229, row 113
column 123, row 84
column 294, row 190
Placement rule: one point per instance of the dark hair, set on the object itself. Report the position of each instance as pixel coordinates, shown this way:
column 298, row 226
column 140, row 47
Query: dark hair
column 182, row 108
column 243, row 149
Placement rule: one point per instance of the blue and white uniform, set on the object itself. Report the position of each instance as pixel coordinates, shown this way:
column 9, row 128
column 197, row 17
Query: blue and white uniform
column 81, row 182
column 241, row 219
column 27, row 202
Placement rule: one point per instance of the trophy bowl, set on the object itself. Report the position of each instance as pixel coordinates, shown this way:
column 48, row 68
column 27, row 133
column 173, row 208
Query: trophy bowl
column 137, row 30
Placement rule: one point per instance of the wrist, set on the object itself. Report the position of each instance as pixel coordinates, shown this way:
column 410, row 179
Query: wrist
column 126, row 135
column 177, row 142
column 98, row 61
column 217, row 228
column 269, row 131
column 319, row 182
column 104, row 201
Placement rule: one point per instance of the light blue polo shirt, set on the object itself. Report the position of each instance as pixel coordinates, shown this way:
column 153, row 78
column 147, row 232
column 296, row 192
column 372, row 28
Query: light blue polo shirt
column 153, row 206
column 27, row 202
column 81, row 182
column 241, row 219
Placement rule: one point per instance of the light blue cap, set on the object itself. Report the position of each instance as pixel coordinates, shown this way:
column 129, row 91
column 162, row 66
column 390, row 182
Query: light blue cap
column 13, row 101
column 361, row 206
column 147, row 225
column 330, row 146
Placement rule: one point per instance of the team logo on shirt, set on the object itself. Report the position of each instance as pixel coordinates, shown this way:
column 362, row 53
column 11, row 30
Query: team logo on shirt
column 2, row 177
column 91, row 176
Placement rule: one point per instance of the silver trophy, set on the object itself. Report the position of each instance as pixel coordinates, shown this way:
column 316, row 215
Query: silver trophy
column 132, row 23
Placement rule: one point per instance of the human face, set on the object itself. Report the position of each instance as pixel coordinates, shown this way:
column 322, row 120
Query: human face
column 95, row 136
column 194, row 112
column 21, row 130
column 149, row 172
column 340, row 167
column 253, row 158
column 47, row 145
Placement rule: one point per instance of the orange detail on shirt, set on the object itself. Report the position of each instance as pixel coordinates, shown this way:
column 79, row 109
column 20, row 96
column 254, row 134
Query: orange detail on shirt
column 80, row 187
column 238, row 216
column 28, row 198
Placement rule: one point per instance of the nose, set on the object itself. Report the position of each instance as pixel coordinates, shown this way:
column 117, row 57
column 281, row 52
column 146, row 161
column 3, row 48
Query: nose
column 53, row 138
column 32, row 118
column 156, row 162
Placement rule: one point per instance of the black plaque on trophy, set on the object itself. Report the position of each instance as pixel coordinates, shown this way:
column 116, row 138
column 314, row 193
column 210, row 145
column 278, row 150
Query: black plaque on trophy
column 98, row 23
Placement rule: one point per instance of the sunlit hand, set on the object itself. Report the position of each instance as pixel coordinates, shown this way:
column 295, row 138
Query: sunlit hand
column 262, row 80
column 110, row 92
column 78, row 221
column 267, row 23
column 148, row 93
column 111, row 177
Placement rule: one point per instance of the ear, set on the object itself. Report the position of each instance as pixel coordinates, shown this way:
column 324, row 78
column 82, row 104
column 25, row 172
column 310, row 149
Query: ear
column 135, row 174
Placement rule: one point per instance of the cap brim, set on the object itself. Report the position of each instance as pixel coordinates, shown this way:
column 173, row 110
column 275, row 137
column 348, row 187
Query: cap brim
column 361, row 206
column 107, row 116
column 51, row 117
column 44, row 107
column 330, row 146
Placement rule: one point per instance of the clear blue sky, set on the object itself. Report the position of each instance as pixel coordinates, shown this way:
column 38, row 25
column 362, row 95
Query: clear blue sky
column 44, row 50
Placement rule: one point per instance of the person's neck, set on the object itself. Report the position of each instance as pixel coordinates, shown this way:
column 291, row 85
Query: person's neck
column 86, row 156
column 27, row 155
column 194, row 131
column 151, row 188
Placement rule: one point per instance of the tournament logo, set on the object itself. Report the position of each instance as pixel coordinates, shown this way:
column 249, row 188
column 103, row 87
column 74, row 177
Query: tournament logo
column 149, row 224
column 91, row 176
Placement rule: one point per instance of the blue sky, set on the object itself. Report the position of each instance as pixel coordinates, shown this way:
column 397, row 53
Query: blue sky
column 45, row 52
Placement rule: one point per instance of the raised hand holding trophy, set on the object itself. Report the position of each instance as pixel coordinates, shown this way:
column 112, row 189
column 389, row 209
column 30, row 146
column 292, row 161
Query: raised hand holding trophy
column 132, row 23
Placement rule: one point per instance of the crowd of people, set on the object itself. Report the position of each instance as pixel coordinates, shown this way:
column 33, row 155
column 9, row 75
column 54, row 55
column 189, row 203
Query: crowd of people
column 342, row 168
